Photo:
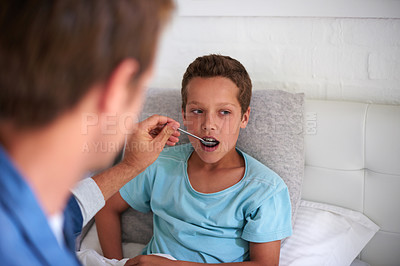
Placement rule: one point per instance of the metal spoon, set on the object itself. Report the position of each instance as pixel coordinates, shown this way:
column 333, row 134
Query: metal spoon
column 206, row 143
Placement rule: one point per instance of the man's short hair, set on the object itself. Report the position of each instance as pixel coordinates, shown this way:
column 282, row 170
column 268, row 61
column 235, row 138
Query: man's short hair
column 53, row 51
column 213, row 65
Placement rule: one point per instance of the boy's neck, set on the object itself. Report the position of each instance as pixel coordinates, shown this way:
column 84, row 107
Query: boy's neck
column 211, row 178
column 231, row 160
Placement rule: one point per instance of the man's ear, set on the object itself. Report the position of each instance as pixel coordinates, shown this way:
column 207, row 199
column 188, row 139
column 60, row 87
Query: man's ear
column 245, row 118
column 116, row 88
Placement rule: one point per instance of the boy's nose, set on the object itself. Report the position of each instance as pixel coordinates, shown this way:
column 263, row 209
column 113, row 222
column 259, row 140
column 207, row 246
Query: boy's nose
column 209, row 123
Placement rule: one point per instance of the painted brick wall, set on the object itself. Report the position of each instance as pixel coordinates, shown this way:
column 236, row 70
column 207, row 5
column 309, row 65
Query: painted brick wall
column 326, row 58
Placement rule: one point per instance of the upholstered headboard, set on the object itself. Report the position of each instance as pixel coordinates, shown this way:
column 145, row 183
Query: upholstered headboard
column 353, row 160
column 352, row 155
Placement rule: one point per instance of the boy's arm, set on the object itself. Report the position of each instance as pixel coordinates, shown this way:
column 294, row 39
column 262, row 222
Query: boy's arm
column 261, row 254
column 108, row 223
column 265, row 253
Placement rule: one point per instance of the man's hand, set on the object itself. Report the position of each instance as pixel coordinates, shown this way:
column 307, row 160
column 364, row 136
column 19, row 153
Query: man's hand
column 142, row 149
column 148, row 140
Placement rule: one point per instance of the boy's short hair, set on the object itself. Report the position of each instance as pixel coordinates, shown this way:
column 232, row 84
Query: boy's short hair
column 52, row 51
column 213, row 65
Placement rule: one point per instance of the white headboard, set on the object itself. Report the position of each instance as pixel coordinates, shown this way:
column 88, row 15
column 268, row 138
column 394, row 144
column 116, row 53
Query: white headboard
column 353, row 161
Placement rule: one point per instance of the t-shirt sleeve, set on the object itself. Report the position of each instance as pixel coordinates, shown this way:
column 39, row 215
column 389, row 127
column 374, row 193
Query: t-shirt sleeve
column 271, row 220
column 137, row 192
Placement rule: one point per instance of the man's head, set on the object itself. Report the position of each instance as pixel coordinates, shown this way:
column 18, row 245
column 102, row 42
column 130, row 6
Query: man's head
column 216, row 92
column 53, row 52
column 219, row 66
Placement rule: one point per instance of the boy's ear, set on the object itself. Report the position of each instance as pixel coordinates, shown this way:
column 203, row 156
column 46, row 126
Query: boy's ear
column 116, row 88
column 245, row 118
column 183, row 115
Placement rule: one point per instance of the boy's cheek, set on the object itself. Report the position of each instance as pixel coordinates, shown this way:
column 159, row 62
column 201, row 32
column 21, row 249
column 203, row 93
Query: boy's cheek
column 230, row 127
column 190, row 124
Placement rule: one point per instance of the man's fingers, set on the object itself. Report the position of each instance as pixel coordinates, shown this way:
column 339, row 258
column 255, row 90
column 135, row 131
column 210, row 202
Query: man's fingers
column 166, row 134
column 162, row 129
column 157, row 121
column 173, row 139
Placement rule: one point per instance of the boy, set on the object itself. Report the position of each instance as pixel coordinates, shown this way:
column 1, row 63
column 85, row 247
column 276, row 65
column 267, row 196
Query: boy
column 211, row 204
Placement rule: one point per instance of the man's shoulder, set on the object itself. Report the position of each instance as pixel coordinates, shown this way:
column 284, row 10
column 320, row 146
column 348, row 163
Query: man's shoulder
column 22, row 246
column 12, row 239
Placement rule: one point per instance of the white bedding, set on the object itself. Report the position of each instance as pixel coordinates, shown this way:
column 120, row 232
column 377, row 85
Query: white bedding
column 326, row 235
column 89, row 257
column 323, row 235
column 91, row 242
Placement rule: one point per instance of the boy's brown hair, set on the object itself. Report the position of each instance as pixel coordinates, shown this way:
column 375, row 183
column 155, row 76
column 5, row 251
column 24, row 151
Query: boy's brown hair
column 52, row 51
column 213, row 65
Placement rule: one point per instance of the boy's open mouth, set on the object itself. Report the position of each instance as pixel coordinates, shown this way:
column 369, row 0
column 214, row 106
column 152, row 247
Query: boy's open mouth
column 211, row 142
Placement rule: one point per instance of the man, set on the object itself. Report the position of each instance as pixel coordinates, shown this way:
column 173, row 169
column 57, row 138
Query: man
column 72, row 79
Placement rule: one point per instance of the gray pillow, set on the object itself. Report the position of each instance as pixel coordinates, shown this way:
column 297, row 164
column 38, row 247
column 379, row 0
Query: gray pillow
column 274, row 136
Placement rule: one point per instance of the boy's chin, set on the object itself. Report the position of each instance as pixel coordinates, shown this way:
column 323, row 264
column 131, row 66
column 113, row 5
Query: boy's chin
column 210, row 157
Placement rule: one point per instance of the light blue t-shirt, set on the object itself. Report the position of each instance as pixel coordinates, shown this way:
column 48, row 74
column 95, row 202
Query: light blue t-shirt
column 214, row 227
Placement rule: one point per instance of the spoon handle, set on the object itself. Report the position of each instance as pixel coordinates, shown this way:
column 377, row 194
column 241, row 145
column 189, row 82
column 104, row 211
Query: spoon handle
column 190, row 134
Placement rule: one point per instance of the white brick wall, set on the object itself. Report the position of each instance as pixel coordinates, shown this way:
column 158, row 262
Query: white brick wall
column 326, row 58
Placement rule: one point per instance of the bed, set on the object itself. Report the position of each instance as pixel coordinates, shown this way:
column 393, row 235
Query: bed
column 341, row 162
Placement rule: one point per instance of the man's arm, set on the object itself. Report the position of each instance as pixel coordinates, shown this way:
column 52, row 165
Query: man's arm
column 108, row 223
column 90, row 200
column 142, row 149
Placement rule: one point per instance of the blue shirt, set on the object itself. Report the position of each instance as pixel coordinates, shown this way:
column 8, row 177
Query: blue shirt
column 214, row 227
column 26, row 237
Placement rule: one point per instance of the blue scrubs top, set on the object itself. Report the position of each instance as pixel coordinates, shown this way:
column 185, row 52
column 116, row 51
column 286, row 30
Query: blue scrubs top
column 26, row 237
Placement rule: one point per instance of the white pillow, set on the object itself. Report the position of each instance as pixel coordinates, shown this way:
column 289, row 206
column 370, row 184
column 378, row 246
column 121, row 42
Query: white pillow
column 326, row 235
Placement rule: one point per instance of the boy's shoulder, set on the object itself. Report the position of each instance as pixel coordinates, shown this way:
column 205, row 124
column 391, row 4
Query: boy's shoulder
column 257, row 171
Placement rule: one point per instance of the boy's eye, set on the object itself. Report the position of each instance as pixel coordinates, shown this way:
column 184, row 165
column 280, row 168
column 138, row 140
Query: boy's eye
column 197, row 111
column 225, row 112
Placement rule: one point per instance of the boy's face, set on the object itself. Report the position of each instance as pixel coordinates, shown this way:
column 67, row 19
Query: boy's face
column 213, row 111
